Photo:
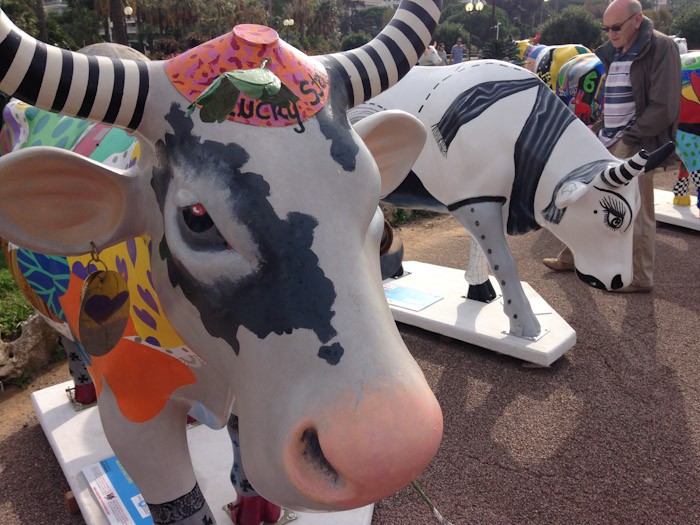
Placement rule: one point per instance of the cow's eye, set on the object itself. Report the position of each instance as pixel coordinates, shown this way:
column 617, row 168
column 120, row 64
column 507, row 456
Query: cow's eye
column 197, row 219
column 614, row 213
column 199, row 230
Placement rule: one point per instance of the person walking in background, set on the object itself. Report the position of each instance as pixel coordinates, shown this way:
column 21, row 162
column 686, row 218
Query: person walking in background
column 458, row 51
column 442, row 53
column 641, row 109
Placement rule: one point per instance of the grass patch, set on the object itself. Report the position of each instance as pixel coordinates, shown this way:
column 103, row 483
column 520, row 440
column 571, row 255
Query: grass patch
column 14, row 308
column 398, row 216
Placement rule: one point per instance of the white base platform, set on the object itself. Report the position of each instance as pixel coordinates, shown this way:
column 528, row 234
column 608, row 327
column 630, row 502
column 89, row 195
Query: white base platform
column 684, row 216
column 78, row 440
column 477, row 323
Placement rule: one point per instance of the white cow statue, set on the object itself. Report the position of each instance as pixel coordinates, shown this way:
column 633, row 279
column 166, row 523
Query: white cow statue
column 507, row 156
column 234, row 262
column 430, row 57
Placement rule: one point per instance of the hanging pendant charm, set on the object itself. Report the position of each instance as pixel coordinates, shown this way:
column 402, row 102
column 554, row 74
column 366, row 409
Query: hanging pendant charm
column 104, row 309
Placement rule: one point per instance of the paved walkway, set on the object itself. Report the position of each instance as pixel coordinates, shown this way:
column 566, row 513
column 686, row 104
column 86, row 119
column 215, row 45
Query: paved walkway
column 609, row 434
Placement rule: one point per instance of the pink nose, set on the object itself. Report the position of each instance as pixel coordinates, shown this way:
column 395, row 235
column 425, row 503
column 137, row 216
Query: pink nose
column 352, row 457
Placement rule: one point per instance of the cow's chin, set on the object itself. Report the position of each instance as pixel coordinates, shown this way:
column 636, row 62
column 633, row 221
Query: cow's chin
column 615, row 284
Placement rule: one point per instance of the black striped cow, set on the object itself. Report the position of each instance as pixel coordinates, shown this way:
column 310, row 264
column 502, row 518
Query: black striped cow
column 246, row 236
column 506, row 155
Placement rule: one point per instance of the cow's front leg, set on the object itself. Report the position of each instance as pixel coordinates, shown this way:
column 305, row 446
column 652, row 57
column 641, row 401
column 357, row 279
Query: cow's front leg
column 156, row 456
column 484, row 220
column 250, row 508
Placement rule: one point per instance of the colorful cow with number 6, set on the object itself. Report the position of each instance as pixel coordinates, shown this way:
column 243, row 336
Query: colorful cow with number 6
column 236, row 261
column 506, row 156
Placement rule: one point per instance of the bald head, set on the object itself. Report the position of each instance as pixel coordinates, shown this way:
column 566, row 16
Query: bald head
column 622, row 21
column 627, row 7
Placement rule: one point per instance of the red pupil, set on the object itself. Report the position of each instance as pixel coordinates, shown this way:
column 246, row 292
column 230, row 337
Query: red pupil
column 198, row 210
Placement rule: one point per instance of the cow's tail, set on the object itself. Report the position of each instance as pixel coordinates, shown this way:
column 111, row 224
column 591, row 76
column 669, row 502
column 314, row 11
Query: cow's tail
column 102, row 89
column 642, row 162
column 381, row 63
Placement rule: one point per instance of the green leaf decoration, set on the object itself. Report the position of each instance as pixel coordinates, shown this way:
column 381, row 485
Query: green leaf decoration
column 47, row 275
column 219, row 99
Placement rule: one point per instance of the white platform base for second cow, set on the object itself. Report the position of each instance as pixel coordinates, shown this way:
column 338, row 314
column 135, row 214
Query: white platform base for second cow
column 684, row 216
column 477, row 323
column 77, row 440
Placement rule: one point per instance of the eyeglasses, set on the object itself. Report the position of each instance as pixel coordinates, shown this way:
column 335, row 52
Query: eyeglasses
column 617, row 27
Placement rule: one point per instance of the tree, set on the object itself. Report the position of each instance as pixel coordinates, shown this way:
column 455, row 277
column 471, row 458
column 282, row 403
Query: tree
column 678, row 7
column 370, row 20
column 347, row 10
column 687, row 25
column 81, row 22
column 22, row 14
column 481, row 27
column 596, row 8
column 448, row 33
column 662, row 19
column 574, row 25
column 355, row 40
column 116, row 15
column 325, row 27
column 251, row 12
column 301, row 13
column 41, row 20
column 216, row 18
column 501, row 49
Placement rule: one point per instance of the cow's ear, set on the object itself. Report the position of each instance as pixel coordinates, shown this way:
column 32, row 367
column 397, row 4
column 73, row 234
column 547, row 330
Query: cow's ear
column 569, row 193
column 395, row 139
column 57, row 202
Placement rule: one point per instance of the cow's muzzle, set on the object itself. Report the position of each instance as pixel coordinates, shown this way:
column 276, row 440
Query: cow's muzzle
column 597, row 283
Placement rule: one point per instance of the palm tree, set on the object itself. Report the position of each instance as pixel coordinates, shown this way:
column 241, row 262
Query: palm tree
column 301, row 12
column 41, row 20
column 116, row 14
column 102, row 9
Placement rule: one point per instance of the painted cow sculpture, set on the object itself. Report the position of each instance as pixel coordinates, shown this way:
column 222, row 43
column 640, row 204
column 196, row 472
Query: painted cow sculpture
column 226, row 230
column 546, row 61
column 430, row 57
column 507, row 155
column 688, row 134
column 580, row 85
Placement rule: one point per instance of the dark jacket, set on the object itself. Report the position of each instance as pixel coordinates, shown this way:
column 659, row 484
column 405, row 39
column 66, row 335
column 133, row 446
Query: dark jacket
column 655, row 76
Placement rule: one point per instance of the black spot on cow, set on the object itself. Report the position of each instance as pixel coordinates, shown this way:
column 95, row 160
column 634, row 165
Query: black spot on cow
column 288, row 291
column 332, row 353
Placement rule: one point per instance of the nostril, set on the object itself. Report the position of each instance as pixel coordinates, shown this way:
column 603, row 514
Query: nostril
column 313, row 454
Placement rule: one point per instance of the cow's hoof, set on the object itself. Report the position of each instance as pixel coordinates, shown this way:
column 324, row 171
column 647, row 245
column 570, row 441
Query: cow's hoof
column 252, row 510
column 484, row 292
column 681, row 200
column 85, row 394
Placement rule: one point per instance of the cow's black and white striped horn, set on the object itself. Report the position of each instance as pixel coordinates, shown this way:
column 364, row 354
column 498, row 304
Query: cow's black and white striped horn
column 108, row 90
column 385, row 60
column 620, row 175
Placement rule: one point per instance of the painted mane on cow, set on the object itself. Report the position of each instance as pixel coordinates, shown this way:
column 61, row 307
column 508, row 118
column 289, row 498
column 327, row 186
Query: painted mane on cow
column 239, row 222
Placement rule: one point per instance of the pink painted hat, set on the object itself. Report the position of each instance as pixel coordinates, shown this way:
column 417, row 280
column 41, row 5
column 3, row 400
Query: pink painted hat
column 244, row 48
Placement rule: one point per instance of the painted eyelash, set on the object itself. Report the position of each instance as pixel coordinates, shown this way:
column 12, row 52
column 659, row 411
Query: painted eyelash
column 613, row 208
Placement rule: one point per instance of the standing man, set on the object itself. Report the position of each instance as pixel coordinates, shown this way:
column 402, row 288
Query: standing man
column 641, row 108
column 442, row 53
column 457, row 51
